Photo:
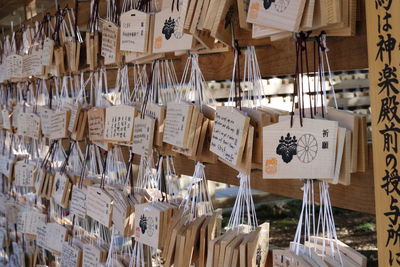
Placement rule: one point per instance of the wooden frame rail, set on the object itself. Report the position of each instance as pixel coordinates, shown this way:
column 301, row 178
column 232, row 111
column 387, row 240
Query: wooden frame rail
column 359, row 196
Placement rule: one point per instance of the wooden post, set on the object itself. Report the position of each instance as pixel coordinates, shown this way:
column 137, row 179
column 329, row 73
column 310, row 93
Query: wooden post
column 383, row 31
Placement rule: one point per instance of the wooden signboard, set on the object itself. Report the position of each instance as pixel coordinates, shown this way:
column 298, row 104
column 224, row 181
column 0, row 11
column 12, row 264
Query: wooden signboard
column 383, row 31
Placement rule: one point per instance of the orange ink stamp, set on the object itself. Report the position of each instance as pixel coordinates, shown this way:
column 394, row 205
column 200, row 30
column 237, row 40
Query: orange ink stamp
column 271, row 166
column 253, row 10
column 158, row 42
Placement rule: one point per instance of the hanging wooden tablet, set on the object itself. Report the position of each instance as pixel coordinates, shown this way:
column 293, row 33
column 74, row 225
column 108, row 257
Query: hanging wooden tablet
column 349, row 121
column 286, row 258
column 143, row 134
column 243, row 251
column 167, row 37
column 17, row 110
column 29, row 125
column 48, row 186
column 123, row 213
column 75, row 109
column 78, row 201
column 258, row 120
column 61, row 189
column 92, row 48
column 320, row 17
column 93, row 255
column 58, row 126
column 71, row 255
column 118, row 125
column 26, row 65
column 51, row 236
column 110, row 43
column 96, row 120
column 134, row 31
column 25, row 174
column 6, row 119
column 14, row 66
column 193, row 5
column 347, row 26
column 7, row 166
column 37, row 68
column 73, row 49
column 99, row 205
column 230, row 248
column 281, row 14
column 192, row 26
column 203, row 15
column 299, row 152
column 3, row 72
column 259, row 31
column 147, row 225
column 257, row 249
column 12, row 210
column 193, row 133
column 229, row 134
column 47, row 52
column 45, row 115
column 345, row 167
column 243, row 7
column 308, row 15
column 157, row 112
column 81, row 127
column 341, row 136
column 221, row 30
column 40, row 180
column 176, row 125
column 211, row 14
column 30, row 220
column 203, row 153
column 356, row 256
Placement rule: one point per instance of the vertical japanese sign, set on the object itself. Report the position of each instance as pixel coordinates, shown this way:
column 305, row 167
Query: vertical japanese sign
column 383, row 28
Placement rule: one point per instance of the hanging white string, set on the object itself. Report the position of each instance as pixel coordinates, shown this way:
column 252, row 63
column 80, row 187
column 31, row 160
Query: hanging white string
column 327, row 224
column 243, row 211
column 198, row 201
column 231, row 97
column 330, row 78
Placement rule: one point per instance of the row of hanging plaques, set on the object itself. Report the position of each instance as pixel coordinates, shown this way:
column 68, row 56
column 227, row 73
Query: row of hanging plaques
column 143, row 32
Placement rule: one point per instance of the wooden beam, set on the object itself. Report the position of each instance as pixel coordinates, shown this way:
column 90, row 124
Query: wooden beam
column 383, row 26
column 358, row 196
